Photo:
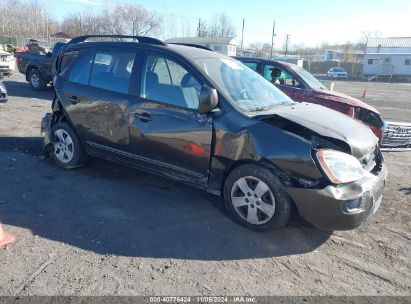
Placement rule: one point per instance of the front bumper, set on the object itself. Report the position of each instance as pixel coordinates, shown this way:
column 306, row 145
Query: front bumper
column 7, row 69
column 3, row 93
column 325, row 208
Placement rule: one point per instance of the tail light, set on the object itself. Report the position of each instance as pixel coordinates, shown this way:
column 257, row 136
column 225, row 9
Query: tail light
column 17, row 58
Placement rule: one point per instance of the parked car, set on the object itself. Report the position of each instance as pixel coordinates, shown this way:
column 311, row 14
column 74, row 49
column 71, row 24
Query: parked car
column 7, row 63
column 205, row 119
column 337, row 72
column 37, row 68
column 3, row 91
column 301, row 86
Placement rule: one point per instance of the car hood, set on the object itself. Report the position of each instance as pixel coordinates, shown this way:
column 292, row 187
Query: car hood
column 334, row 96
column 2, row 53
column 329, row 123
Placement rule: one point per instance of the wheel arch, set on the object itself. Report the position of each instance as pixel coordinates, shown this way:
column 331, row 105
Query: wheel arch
column 262, row 163
column 29, row 68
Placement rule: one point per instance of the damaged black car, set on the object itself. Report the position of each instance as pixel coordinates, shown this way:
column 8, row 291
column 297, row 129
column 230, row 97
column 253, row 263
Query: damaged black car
column 199, row 117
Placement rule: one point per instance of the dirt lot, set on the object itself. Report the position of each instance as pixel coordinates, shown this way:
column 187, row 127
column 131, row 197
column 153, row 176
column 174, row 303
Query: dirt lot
column 105, row 229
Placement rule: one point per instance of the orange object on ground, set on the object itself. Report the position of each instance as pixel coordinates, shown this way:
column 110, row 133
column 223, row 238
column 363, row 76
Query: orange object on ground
column 364, row 95
column 5, row 238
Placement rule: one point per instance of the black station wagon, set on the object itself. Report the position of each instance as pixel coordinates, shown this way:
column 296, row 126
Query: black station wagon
column 202, row 118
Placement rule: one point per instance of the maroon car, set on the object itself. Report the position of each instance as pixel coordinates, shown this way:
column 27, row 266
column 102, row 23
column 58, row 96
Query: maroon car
column 301, row 86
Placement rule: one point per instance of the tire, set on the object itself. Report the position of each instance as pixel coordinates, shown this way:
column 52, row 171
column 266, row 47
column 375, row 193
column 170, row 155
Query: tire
column 36, row 81
column 68, row 152
column 265, row 205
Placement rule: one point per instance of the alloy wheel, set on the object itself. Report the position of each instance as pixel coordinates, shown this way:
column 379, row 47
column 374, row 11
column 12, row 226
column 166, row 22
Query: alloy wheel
column 35, row 80
column 63, row 146
column 253, row 200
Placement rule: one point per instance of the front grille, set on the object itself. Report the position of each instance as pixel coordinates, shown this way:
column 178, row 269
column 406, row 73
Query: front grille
column 397, row 134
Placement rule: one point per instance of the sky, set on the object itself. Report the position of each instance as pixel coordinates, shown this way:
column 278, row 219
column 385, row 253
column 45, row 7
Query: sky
column 309, row 22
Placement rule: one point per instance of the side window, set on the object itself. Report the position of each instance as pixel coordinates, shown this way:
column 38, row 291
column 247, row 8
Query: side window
column 370, row 61
column 279, row 76
column 166, row 81
column 251, row 65
column 65, row 62
column 80, row 71
column 112, row 70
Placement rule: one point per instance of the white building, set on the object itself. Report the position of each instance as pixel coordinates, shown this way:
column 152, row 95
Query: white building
column 224, row 45
column 297, row 60
column 388, row 57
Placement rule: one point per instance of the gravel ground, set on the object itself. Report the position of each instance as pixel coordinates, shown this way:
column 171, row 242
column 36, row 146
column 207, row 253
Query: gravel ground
column 109, row 230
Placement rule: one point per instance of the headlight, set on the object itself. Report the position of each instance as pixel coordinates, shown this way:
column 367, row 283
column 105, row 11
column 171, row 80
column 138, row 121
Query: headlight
column 340, row 167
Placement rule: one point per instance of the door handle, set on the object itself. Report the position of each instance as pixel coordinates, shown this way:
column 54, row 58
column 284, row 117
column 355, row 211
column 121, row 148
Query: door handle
column 144, row 117
column 73, row 99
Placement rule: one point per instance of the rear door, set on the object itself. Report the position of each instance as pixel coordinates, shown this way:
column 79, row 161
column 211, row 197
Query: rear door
column 166, row 133
column 96, row 95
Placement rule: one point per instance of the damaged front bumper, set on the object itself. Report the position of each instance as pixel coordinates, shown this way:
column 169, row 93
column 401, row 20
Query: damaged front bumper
column 341, row 207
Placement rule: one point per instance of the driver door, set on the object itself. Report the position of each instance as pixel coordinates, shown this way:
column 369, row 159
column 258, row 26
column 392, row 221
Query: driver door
column 166, row 133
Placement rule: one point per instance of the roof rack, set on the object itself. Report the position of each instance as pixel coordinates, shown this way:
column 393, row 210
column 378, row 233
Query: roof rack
column 199, row 46
column 139, row 39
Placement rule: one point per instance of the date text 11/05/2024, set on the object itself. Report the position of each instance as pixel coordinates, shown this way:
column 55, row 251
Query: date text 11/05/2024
column 203, row 299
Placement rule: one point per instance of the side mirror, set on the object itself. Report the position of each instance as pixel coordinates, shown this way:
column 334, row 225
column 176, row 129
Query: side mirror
column 208, row 100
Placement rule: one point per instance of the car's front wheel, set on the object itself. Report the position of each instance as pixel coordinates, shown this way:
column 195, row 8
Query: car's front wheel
column 68, row 151
column 256, row 199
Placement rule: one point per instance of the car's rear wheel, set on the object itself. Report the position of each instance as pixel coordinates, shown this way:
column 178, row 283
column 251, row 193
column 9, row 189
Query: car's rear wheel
column 36, row 81
column 67, row 151
column 256, row 199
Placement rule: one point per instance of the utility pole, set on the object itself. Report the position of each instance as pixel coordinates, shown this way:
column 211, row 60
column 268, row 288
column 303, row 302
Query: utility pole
column 242, row 36
column 287, row 38
column 199, row 27
column 272, row 41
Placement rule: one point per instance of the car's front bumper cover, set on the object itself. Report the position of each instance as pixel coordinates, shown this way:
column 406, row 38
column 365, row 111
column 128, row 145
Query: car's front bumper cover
column 325, row 208
column 3, row 93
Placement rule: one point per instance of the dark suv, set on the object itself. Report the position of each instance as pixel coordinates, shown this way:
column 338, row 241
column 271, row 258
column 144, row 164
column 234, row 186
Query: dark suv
column 207, row 120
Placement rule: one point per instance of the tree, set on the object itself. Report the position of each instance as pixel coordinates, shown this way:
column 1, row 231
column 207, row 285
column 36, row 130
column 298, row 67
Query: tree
column 222, row 26
column 202, row 29
column 121, row 19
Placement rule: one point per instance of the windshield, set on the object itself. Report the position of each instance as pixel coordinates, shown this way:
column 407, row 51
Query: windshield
column 308, row 78
column 248, row 90
column 339, row 70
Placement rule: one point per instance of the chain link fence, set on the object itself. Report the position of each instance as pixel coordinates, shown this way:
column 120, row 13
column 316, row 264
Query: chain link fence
column 20, row 42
